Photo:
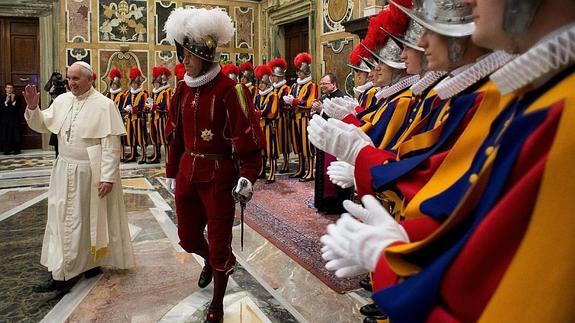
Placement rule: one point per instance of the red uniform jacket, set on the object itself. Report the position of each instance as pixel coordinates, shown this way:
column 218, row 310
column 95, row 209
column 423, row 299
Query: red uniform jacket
column 216, row 119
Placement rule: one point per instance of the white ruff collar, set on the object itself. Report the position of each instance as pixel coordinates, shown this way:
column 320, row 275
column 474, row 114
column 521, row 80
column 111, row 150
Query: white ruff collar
column 279, row 84
column 552, row 54
column 138, row 90
column 472, row 75
column 202, row 79
column 362, row 88
column 303, row 81
column 266, row 91
column 160, row 89
column 426, row 81
column 400, row 85
column 116, row 90
column 248, row 84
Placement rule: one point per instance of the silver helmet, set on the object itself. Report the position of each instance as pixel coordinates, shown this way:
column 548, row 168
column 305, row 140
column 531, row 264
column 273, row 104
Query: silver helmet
column 389, row 54
column 412, row 35
column 452, row 18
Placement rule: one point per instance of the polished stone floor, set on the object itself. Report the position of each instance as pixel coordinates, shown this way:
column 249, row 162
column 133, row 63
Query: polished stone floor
column 268, row 285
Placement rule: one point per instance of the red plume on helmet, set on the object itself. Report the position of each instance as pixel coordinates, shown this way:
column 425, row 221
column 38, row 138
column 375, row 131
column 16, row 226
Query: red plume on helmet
column 166, row 71
column 246, row 66
column 355, row 56
column 278, row 62
column 230, row 69
column 114, row 72
column 134, row 73
column 263, row 70
column 302, row 58
column 157, row 71
column 179, row 71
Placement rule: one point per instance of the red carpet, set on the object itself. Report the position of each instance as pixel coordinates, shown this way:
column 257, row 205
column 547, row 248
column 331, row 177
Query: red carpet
column 283, row 213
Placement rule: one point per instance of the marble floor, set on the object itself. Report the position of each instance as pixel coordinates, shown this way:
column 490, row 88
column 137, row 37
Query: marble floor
column 268, row 286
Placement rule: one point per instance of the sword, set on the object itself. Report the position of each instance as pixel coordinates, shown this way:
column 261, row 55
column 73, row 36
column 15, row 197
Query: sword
column 243, row 201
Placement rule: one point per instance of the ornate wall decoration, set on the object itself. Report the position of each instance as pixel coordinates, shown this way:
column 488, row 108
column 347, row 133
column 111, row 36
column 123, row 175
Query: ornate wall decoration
column 225, row 58
column 243, row 57
column 123, row 61
column 123, row 21
column 335, row 56
column 163, row 10
column 78, row 54
column 334, row 13
column 244, row 18
column 78, row 21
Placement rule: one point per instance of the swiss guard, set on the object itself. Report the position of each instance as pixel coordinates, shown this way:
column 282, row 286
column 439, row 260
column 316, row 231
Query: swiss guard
column 302, row 94
column 283, row 134
column 159, row 105
column 267, row 102
column 247, row 77
column 135, row 106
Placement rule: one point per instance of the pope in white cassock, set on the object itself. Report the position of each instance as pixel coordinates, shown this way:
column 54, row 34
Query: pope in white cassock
column 87, row 224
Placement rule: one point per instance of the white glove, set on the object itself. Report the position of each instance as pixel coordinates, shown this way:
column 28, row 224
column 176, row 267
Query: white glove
column 341, row 174
column 149, row 102
column 337, row 138
column 128, row 108
column 288, row 99
column 171, row 184
column 243, row 190
column 351, row 243
column 339, row 108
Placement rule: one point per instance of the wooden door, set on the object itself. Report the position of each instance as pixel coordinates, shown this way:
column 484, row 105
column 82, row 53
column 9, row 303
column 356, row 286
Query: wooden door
column 20, row 64
column 296, row 41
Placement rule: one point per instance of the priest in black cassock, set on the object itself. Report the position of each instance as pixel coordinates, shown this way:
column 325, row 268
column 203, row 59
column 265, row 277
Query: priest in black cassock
column 328, row 196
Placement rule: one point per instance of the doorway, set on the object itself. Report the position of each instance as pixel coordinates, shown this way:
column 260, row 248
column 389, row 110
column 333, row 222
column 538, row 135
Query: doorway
column 20, row 65
column 296, row 41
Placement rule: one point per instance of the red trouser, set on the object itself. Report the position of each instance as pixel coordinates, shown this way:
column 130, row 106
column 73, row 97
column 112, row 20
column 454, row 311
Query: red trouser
column 211, row 203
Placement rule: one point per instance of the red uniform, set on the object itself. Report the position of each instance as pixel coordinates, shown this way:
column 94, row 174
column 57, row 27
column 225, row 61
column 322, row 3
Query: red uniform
column 214, row 139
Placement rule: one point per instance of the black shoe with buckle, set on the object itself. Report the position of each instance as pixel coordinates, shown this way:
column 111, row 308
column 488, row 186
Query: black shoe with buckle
column 370, row 310
column 205, row 276
column 215, row 314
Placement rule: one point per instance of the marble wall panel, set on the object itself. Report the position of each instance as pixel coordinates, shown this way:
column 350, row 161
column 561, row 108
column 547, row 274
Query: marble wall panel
column 244, row 17
column 78, row 15
column 335, row 57
column 163, row 10
column 334, row 13
column 123, row 61
column 123, row 21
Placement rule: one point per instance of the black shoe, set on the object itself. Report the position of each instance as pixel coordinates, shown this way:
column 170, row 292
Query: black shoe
column 306, row 179
column 269, row 181
column 370, row 310
column 205, row 276
column 215, row 314
column 295, row 175
column 55, row 285
column 140, row 162
column 375, row 319
column 366, row 284
column 93, row 272
column 17, row 152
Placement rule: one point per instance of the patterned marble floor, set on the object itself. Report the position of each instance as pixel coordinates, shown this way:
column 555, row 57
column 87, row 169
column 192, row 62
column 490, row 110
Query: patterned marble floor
column 268, row 286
